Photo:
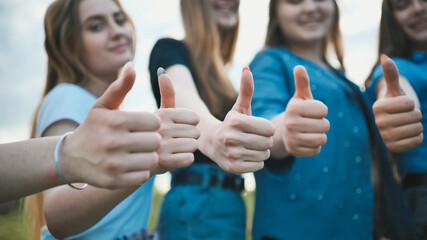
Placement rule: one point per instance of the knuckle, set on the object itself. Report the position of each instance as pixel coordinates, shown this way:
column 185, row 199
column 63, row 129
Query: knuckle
column 418, row 115
column 327, row 125
column 291, row 123
column 236, row 122
column 269, row 142
column 292, row 108
column 377, row 107
column 112, row 143
column 380, row 122
column 193, row 117
column 233, row 154
column 118, row 121
column 324, row 140
column 226, row 166
column 419, row 128
column 316, row 151
column 267, row 154
column 157, row 140
column 386, row 135
column 145, row 176
column 234, row 168
column 187, row 160
column 408, row 102
column 231, row 140
column 420, row 139
column 112, row 166
column 259, row 166
column 153, row 159
column 109, row 182
column 197, row 133
column 193, row 145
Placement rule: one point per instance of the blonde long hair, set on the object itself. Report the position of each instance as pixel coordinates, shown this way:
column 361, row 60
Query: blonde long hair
column 210, row 52
column 62, row 44
column 275, row 37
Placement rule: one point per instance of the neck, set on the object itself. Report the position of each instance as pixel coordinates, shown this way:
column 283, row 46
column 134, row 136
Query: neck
column 98, row 84
column 310, row 51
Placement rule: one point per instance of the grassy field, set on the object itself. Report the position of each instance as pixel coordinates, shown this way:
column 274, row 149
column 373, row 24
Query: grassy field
column 13, row 227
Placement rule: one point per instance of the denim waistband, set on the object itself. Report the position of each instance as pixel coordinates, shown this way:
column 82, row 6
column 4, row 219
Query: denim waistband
column 207, row 175
column 143, row 235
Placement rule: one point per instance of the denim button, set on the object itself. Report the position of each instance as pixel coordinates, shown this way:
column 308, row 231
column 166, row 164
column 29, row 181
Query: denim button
column 346, row 144
column 356, row 216
column 292, row 197
column 313, row 87
column 320, row 197
column 297, row 177
column 340, row 114
column 358, row 159
column 358, row 190
column 325, row 169
column 355, row 129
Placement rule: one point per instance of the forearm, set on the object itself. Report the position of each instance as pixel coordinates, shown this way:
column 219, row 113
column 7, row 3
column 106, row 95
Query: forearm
column 22, row 175
column 186, row 99
column 69, row 212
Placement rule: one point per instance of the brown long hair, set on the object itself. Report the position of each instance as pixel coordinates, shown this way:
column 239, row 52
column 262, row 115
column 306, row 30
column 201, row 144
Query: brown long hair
column 62, row 43
column 211, row 51
column 393, row 40
column 275, row 37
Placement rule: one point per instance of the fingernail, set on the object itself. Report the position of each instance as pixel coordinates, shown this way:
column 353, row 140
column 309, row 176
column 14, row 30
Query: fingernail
column 246, row 68
column 125, row 67
column 160, row 71
column 384, row 57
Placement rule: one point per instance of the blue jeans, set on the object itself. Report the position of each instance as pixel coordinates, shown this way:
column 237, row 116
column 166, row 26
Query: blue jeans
column 417, row 197
column 200, row 211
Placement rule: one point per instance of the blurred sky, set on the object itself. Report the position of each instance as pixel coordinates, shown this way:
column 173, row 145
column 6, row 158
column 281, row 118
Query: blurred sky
column 23, row 60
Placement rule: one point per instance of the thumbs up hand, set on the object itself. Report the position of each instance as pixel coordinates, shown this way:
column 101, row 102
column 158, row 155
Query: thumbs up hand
column 242, row 142
column 178, row 129
column 395, row 114
column 112, row 148
column 304, row 129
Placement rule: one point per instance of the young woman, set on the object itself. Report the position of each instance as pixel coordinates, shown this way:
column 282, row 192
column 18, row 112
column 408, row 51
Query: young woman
column 403, row 36
column 317, row 184
column 87, row 43
column 204, row 201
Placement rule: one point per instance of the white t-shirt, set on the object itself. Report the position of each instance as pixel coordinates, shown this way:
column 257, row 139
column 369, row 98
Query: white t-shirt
column 130, row 217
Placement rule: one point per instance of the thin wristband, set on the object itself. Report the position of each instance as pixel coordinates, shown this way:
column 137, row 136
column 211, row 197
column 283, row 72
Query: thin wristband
column 58, row 145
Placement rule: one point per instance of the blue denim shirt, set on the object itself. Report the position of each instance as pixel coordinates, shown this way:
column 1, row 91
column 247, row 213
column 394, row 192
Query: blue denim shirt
column 415, row 71
column 327, row 196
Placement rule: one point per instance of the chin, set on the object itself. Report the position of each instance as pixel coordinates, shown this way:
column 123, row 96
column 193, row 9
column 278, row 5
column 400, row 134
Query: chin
column 226, row 24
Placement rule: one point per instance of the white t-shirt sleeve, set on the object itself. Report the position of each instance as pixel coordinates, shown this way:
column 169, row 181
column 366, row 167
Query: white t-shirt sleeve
column 64, row 102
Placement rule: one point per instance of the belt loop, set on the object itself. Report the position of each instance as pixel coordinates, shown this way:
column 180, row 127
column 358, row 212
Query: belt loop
column 220, row 175
column 206, row 179
column 239, row 183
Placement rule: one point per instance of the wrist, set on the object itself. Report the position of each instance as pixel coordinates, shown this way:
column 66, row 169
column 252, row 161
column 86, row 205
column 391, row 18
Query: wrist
column 209, row 142
column 66, row 168
column 65, row 159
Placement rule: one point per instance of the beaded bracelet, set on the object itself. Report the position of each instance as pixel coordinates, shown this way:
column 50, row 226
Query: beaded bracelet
column 58, row 145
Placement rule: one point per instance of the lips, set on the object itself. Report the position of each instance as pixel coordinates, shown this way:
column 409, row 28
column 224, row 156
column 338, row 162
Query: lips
column 310, row 23
column 119, row 48
column 419, row 25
